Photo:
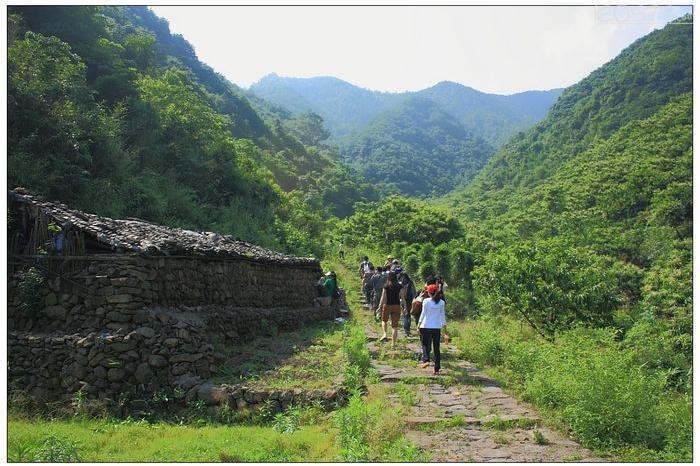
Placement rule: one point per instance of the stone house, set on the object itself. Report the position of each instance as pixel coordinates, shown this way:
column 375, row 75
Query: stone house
column 127, row 305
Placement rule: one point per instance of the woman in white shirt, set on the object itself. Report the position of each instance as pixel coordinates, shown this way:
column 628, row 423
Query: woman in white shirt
column 432, row 320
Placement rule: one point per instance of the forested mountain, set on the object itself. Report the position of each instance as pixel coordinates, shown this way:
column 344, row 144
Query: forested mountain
column 417, row 148
column 111, row 113
column 643, row 78
column 493, row 117
column 587, row 217
column 348, row 109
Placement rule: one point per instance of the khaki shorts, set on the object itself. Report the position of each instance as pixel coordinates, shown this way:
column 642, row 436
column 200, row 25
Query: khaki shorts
column 393, row 311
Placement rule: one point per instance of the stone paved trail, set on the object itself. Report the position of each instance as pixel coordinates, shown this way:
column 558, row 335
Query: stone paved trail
column 463, row 415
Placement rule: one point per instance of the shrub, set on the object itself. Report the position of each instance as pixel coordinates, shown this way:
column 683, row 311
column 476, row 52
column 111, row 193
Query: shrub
column 28, row 289
column 55, row 450
column 549, row 283
column 591, row 382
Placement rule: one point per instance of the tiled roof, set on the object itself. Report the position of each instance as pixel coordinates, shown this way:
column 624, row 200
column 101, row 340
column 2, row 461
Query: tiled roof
column 139, row 236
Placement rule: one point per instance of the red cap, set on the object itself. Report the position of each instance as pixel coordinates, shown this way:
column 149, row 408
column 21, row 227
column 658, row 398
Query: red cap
column 432, row 288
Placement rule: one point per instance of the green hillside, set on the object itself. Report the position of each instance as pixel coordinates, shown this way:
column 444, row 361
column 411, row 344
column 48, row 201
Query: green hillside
column 493, row 117
column 608, row 171
column 111, row 113
column 644, row 77
column 416, row 148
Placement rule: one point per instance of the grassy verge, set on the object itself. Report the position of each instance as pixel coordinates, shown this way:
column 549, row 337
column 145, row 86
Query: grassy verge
column 102, row 440
column 368, row 428
column 307, row 358
column 587, row 382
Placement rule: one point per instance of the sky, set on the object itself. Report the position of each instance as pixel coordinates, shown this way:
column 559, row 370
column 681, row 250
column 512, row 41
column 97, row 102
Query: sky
column 494, row 49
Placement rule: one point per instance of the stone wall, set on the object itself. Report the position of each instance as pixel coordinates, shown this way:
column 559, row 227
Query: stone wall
column 132, row 324
column 104, row 292
column 167, row 348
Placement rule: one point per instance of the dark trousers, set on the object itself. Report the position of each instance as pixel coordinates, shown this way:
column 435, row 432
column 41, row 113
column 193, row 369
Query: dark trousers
column 431, row 336
column 407, row 323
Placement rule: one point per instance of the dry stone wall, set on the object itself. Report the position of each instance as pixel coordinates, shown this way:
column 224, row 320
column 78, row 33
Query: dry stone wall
column 133, row 324
column 105, row 292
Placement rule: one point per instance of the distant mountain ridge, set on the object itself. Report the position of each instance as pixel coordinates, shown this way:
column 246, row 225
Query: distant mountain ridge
column 347, row 108
column 417, row 148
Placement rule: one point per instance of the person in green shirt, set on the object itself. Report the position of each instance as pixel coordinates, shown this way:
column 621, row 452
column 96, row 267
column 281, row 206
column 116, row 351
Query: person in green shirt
column 330, row 284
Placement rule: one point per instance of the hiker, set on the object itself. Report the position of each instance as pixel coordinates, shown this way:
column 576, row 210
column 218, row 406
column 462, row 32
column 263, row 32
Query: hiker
column 365, row 266
column 391, row 308
column 408, row 291
column 378, row 282
column 388, row 263
column 367, row 287
column 443, row 286
column 432, row 320
column 331, row 285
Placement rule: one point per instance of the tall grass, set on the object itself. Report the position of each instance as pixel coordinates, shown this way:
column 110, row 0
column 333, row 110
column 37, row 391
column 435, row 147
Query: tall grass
column 370, row 431
column 591, row 383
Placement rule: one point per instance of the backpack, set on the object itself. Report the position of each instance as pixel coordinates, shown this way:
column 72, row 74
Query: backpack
column 410, row 291
column 417, row 306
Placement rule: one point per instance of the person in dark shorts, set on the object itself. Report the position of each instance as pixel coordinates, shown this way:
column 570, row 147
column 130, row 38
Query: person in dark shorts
column 391, row 307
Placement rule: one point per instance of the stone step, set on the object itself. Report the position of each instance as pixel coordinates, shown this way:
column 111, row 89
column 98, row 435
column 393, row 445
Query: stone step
column 418, row 421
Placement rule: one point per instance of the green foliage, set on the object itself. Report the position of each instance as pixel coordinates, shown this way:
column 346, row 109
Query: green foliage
column 539, row 438
column 357, row 355
column 417, row 148
column 102, row 440
column 588, row 380
column 398, row 219
column 56, row 450
column 367, row 432
column 30, row 284
column 294, row 417
column 551, row 284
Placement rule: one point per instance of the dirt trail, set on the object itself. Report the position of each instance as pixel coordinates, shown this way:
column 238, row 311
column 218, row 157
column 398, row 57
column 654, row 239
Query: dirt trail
column 463, row 415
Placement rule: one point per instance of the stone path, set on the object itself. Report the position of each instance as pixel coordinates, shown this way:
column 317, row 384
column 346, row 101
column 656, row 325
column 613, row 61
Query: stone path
column 463, row 415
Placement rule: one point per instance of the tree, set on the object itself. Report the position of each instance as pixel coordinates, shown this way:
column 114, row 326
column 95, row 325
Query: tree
column 550, row 284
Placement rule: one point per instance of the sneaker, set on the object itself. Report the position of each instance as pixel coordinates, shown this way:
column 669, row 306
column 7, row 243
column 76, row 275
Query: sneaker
column 423, row 365
column 384, row 338
column 436, row 372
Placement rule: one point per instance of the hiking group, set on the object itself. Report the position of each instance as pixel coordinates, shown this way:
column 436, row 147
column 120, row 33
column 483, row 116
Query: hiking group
column 391, row 293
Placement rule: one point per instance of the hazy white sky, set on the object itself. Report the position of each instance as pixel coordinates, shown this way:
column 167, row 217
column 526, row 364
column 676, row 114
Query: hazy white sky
column 493, row 49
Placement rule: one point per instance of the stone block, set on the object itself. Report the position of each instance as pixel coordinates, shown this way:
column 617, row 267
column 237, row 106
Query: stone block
column 119, row 298
column 143, row 373
column 156, row 360
column 55, row 312
column 116, row 374
column 115, row 316
column 185, row 358
column 51, row 299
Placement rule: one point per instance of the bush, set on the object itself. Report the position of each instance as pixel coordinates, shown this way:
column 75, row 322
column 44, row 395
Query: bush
column 550, row 284
column 55, row 450
column 589, row 381
column 28, row 290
